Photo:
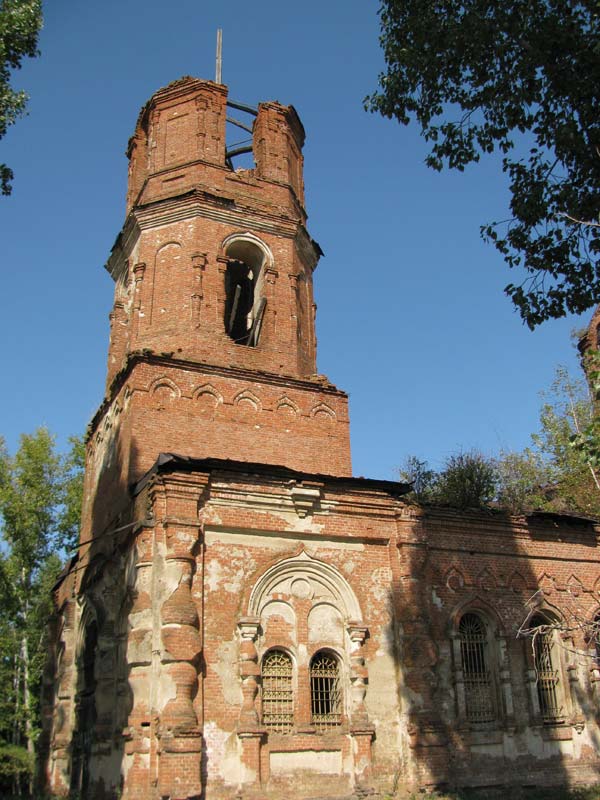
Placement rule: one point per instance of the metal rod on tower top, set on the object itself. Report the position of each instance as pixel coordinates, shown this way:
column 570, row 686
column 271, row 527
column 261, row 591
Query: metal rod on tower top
column 219, row 50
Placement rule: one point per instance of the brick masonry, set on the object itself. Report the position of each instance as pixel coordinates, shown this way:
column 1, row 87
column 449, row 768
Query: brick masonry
column 221, row 524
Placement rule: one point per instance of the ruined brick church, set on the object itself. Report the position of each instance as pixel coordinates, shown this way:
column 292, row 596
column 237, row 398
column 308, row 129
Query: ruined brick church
column 244, row 618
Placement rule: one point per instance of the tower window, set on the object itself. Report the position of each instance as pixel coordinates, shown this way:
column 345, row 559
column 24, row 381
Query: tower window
column 546, row 669
column 476, row 675
column 277, row 691
column 325, row 693
column 244, row 299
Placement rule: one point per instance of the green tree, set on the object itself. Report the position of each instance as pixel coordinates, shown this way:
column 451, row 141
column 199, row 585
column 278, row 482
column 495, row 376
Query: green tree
column 468, row 480
column 38, row 496
column 567, row 413
column 20, row 24
column 524, row 481
column 521, row 77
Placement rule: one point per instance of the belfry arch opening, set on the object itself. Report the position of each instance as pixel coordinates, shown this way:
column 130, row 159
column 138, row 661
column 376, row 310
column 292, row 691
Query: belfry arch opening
column 245, row 302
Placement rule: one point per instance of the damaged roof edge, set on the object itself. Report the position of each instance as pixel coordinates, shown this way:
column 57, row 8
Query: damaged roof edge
column 172, row 462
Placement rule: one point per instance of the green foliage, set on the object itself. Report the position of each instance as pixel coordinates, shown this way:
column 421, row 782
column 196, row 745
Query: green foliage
column 558, row 473
column 423, row 479
column 523, row 480
column 20, row 24
column 468, row 480
column 520, row 77
column 39, row 495
column 586, row 441
column 14, row 760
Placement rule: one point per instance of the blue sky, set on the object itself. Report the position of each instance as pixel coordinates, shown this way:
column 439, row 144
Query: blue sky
column 412, row 320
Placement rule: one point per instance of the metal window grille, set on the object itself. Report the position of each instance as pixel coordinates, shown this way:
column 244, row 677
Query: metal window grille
column 325, row 692
column 277, row 691
column 477, row 679
column 547, row 676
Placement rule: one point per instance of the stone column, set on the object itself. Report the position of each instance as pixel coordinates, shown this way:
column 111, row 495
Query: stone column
column 250, row 731
column 361, row 731
column 505, row 682
column 270, row 319
column 179, row 735
column 198, row 265
column 138, row 272
column 63, row 717
column 181, row 743
column 137, row 734
column 531, row 683
column 459, row 680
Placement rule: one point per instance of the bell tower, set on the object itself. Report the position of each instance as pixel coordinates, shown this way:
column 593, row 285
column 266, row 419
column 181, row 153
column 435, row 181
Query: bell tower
column 212, row 348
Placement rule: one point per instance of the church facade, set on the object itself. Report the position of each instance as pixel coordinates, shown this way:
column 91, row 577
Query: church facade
column 245, row 618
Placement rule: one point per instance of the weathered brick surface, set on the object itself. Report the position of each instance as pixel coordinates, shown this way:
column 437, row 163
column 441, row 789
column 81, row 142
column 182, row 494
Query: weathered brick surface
column 254, row 538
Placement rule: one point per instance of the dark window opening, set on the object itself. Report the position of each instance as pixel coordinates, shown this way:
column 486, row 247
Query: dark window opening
column 476, row 675
column 244, row 301
column 547, row 674
column 325, row 693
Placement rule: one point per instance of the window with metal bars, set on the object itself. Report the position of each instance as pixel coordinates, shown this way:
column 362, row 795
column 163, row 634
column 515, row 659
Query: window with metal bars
column 277, row 691
column 325, row 691
column 546, row 670
column 477, row 678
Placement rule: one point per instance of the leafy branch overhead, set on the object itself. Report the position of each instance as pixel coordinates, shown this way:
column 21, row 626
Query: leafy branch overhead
column 521, row 77
column 20, row 24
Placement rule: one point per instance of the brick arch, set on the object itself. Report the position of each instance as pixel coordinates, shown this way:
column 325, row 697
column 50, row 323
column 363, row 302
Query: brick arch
column 284, row 403
column 317, row 574
column 476, row 604
column 322, row 410
column 242, row 239
column 163, row 382
column 247, row 395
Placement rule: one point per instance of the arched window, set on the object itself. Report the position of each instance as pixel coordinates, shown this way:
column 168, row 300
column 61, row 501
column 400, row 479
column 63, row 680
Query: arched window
column 545, row 662
column 244, row 293
column 479, row 699
column 277, row 691
column 325, row 692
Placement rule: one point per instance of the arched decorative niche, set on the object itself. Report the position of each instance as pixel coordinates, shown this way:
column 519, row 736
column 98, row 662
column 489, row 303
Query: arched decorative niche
column 303, row 576
column 207, row 399
column 247, row 258
column 323, row 413
column 164, row 392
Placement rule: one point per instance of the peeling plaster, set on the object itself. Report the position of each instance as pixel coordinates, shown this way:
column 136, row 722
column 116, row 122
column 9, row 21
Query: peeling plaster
column 227, row 669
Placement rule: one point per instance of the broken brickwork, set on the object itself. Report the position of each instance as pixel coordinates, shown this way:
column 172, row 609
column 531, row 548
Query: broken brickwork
column 244, row 617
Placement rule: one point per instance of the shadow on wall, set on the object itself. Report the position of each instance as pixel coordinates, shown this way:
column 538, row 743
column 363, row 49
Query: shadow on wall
column 480, row 706
column 91, row 665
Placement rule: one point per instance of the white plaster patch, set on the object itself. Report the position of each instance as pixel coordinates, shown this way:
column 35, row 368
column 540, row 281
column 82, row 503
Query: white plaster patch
column 381, row 700
column 236, row 581
column 381, row 581
column 274, row 540
column 435, row 599
column 349, row 567
column 223, row 760
column 213, row 575
column 166, row 689
column 227, row 670
column 328, row 762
